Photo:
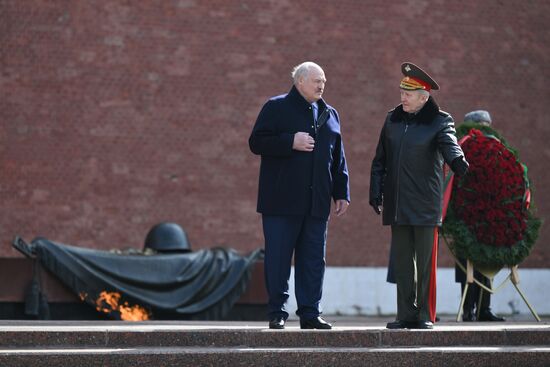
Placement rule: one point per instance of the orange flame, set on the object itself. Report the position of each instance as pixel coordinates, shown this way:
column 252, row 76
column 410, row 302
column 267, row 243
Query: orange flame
column 109, row 302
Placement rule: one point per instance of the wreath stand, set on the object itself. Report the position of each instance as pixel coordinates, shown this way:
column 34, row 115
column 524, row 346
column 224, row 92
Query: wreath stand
column 490, row 273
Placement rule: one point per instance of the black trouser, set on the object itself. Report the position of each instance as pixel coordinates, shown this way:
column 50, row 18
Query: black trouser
column 412, row 255
column 471, row 301
column 305, row 238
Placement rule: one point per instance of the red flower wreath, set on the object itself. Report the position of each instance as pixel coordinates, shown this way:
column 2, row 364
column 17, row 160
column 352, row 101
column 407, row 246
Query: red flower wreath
column 490, row 197
column 489, row 218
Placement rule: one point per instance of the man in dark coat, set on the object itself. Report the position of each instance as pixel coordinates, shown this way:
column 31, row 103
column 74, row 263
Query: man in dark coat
column 407, row 180
column 303, row 167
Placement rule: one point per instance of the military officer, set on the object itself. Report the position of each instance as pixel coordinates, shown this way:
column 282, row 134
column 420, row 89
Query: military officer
column 406, row 186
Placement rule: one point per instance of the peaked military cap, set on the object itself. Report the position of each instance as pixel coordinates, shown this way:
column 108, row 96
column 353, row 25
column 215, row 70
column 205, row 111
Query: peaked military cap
column 416, row 78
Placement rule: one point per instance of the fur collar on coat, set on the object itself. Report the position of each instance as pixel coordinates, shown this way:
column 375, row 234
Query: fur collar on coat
column 425, row 116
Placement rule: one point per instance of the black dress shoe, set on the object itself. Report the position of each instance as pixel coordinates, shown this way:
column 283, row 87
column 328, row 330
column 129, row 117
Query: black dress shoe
column 423, row 324
column 277, row 323
column 487, row 315
column 315, row 323
column 399, row 324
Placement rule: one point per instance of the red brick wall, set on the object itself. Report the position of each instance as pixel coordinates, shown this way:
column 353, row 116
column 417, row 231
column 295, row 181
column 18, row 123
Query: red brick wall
column 116, row 115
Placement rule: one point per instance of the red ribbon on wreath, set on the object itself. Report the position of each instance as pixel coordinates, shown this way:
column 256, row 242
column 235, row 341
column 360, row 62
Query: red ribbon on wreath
column 449, row 178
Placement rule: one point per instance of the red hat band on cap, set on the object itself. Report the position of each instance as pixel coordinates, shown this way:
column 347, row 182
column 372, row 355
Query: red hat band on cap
column 411, row 83
column 423, row 83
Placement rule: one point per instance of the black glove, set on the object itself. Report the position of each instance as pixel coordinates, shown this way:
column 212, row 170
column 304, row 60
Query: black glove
column 460, row 166
column 376, row 203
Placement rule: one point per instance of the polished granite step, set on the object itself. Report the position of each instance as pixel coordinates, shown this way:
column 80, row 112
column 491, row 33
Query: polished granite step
column 247, row 356
column 26, row 334
column 28, row 343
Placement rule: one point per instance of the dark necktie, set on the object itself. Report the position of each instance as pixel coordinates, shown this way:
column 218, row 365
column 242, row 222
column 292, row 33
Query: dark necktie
column 315, row 111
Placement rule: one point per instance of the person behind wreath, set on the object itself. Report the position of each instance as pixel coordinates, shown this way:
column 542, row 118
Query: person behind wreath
column 472, row 304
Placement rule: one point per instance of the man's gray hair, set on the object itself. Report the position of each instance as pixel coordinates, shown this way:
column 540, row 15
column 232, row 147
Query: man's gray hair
column 424, row 92
column 302, row 70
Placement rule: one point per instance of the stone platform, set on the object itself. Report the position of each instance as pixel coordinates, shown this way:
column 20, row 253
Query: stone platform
column 357, row 342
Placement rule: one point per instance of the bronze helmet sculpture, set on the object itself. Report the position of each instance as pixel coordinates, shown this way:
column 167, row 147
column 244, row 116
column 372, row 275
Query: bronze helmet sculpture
column 167, row 237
